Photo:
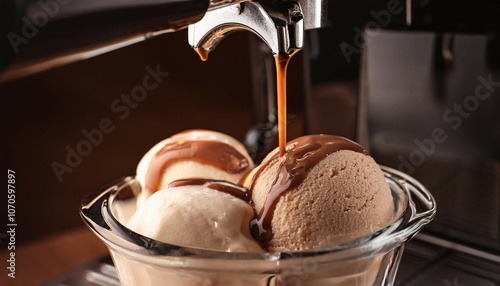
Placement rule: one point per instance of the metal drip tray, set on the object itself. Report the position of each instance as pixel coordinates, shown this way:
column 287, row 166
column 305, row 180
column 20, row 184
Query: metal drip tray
column 425, row 262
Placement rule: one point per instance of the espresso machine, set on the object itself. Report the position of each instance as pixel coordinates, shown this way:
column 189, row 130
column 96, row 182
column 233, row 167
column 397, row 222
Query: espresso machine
column 416, row 82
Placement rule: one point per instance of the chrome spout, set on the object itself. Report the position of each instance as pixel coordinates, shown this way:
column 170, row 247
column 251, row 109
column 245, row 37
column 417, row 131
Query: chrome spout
column 280, row 26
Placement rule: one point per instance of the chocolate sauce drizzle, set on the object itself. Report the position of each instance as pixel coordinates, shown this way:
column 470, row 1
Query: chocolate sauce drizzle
column 218, row 185
column 214, row 153
column 301, row 155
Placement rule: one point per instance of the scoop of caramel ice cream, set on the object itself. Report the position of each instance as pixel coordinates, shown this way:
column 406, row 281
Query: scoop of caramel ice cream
column 324, row 190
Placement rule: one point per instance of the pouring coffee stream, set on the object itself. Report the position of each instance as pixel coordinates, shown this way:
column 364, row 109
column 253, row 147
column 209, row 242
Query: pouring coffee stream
column 282, row 61
column 280, row 26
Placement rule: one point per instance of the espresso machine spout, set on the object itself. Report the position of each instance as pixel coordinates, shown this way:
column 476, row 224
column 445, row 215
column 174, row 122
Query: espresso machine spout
column 41, row 36
column 280, row 25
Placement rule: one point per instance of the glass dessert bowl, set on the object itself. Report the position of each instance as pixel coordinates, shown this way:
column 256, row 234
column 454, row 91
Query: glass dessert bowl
column 371, row 260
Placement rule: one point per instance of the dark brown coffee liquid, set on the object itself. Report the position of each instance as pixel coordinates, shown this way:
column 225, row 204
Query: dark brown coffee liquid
column 301, row 156
column 202, row 53
column 282, row 61
column 217, row 154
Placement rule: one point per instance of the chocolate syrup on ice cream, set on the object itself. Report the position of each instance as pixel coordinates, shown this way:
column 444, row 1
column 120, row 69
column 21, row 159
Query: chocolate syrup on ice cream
column 218, row 185
column 301, row 155
column 217, row 154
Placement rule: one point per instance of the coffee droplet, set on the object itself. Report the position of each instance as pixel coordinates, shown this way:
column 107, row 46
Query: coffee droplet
column 203, row 53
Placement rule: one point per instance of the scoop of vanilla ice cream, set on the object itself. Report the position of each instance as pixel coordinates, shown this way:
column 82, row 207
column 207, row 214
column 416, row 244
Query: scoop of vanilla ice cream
column 344, row 196
column 186, row 161
column 196, row 216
